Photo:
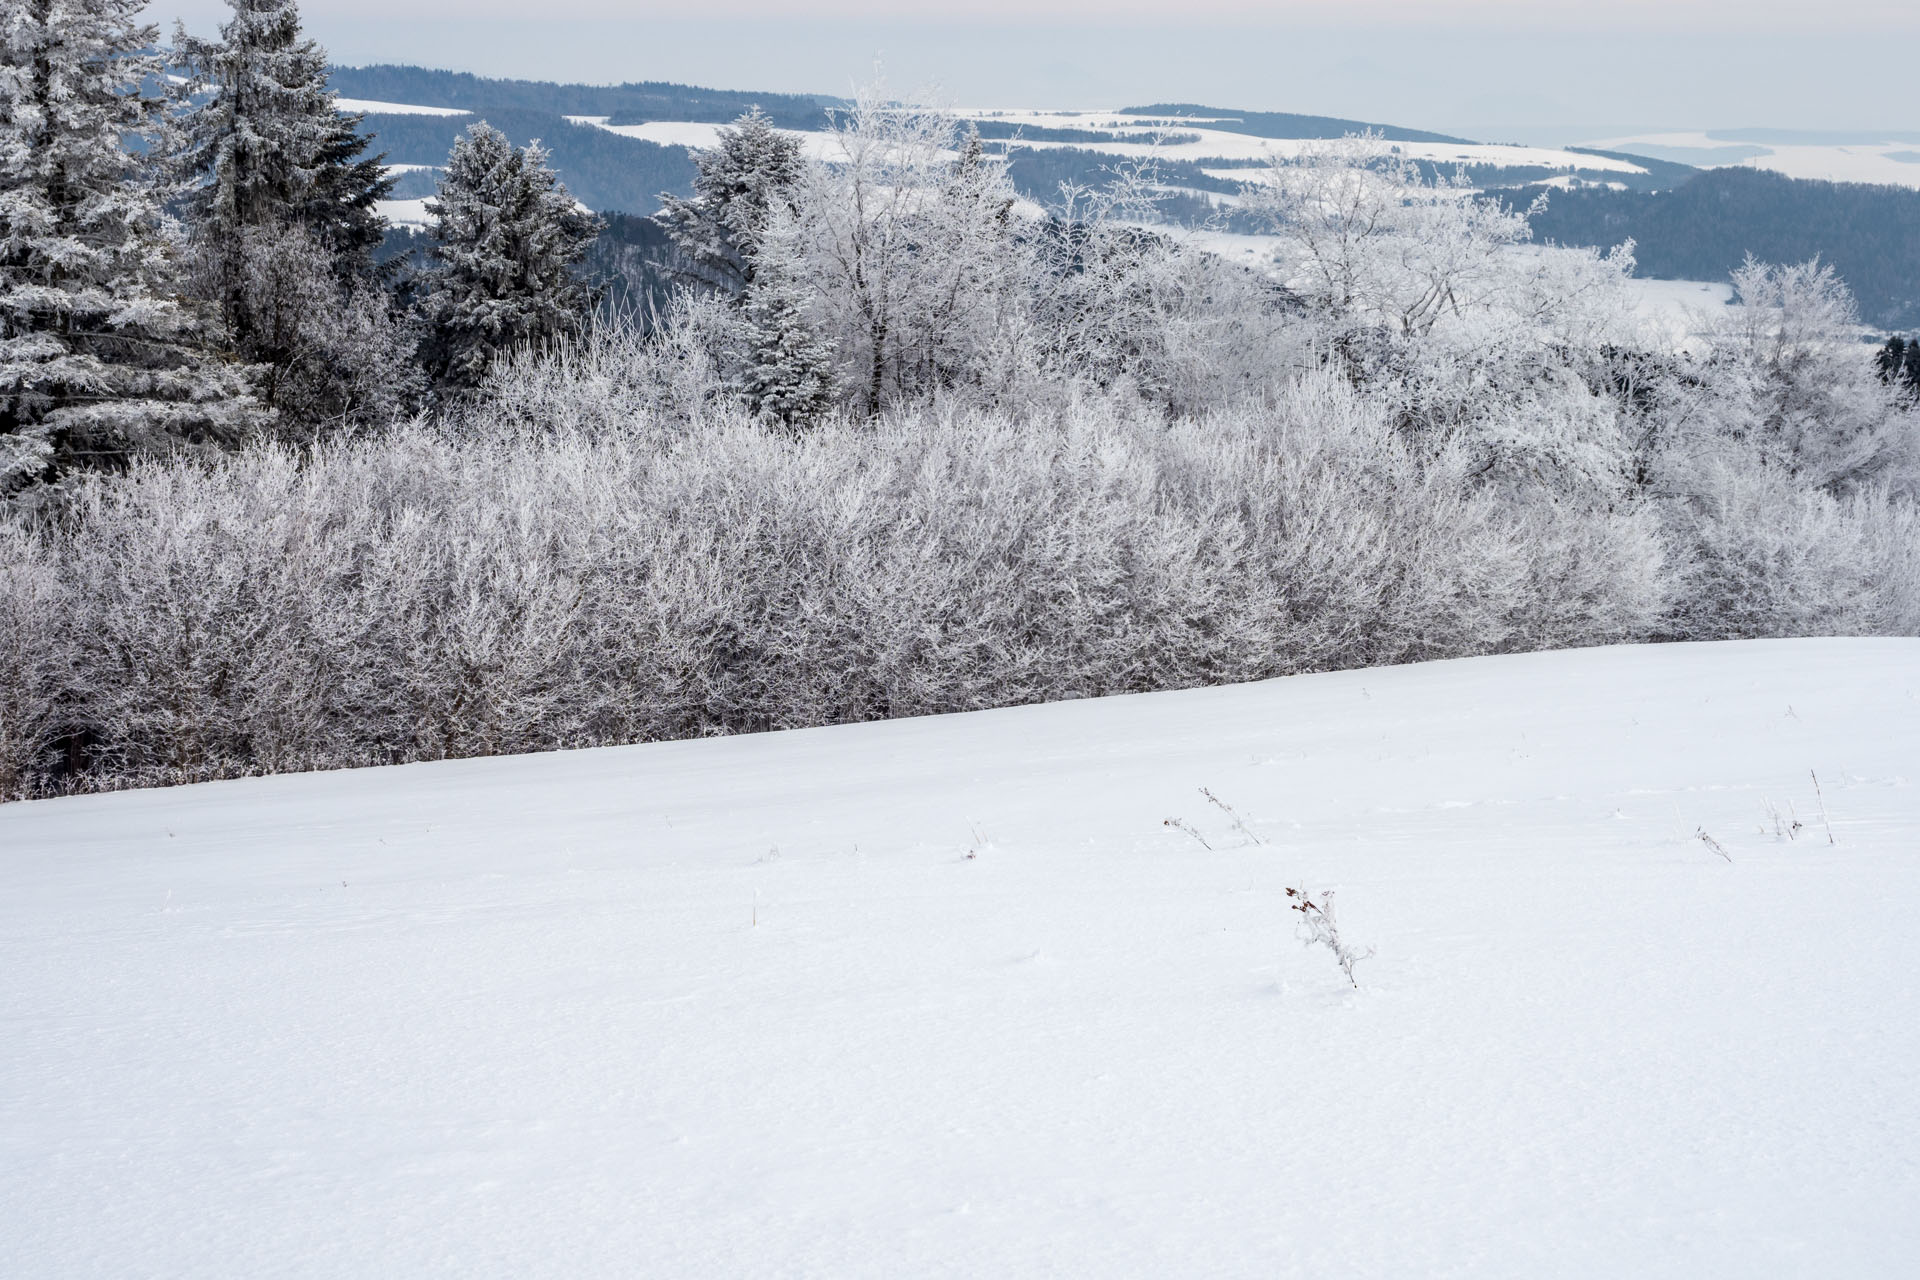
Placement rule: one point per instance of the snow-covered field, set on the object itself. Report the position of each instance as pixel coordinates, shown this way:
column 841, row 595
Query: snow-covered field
column 405, row 213
column 372, row 107
column 946, row 997
column 1134, row 137
column 1676, row 311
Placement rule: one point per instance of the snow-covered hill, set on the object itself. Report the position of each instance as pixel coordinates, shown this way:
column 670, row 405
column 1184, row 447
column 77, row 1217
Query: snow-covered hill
column 1134, row 137
column 947, row 997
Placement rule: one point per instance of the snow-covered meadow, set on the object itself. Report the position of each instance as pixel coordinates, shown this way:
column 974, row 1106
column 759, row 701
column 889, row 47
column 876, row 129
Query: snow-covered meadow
column 947, row 997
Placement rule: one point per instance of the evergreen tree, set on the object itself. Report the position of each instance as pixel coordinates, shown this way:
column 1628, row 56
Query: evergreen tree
column 739, row 182
column 285, row 222
column 100, row 357
column 789, row 373
column 1899, row 363
column 506, row 237
column 268, row 145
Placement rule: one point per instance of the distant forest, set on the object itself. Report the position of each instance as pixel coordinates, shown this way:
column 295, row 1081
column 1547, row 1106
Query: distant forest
column 1281, row 124
column 602, row 169
column 624, row 103
column 1704, row 228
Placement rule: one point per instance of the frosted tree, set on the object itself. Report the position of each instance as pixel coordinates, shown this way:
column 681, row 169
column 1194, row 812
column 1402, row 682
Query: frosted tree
column 908, row 244
column 751, row 171
column 101, row 358
column 284, row 221
column 1119, row 301
column 788, row 377
column 332, row 351
column 506, row 237
column 1788, row 382
column 267, row 142
column 1362, row 232
column 1432, row 295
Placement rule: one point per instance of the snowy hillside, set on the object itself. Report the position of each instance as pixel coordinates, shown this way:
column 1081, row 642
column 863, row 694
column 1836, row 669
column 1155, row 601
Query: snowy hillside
column 1218, row 152
column 947, row 997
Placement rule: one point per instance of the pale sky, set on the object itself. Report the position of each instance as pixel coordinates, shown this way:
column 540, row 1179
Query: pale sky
column 1521, row 70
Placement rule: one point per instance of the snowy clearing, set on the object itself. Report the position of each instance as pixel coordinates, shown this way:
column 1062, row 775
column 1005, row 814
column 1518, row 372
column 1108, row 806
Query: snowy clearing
column 1132, row 137
column 1190, row 139
column 372, row 107
column 405, row 213
column 946, row 997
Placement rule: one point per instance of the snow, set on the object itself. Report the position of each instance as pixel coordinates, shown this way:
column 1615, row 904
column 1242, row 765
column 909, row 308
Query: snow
column 698, row 136
column 1678, row 311
column 405, row 213
column 944, row 996
column 372, row 107
column 1134, row 137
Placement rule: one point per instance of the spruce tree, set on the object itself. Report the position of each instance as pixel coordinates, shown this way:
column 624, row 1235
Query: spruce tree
column 507, row 235
column 789, row 372
column 283, row 207
column 738, row 183
column 1891, row 359
column 267, row 144
column 101, row 358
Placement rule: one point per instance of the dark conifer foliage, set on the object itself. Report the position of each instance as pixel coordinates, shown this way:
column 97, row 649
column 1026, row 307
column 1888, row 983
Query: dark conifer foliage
column 101, row 356
column 737, row 184
column 507, row 237
column 282, row 207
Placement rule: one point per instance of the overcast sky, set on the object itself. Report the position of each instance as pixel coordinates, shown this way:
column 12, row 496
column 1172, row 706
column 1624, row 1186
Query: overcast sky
column 1526, row 70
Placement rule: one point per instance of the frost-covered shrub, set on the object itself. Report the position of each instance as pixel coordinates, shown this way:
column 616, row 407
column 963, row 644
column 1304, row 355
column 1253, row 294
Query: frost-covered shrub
column 1890, row 529
column 33, row 657
column 486, row 587
column 1767, row 557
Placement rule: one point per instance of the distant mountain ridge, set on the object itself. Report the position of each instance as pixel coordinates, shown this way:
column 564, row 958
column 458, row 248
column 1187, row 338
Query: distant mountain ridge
column 1282, row 124
column 1687, row 223
column 624, row 103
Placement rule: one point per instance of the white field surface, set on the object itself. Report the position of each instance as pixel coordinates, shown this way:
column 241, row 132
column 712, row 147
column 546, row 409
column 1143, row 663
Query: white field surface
column 1134, row 136
column 1677, row 313
column 695, row 136
column 944, row 997
column 1129, row 137
column 405, row 213
column 374, row 107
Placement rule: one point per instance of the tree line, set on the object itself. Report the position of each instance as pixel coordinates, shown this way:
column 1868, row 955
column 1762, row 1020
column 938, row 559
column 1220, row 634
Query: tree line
column 188, row 261
column 896, row 443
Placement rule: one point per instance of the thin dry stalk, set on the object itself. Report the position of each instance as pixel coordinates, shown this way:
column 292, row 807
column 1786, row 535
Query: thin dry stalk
column 1227, row 809
column 1823, row 806
column 1320, row 928
column 1712, row 844
column 1178, row 825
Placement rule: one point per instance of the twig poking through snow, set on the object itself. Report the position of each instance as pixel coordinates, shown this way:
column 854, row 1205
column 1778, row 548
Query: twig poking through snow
column 1712, row 844
column 1319, row 928
column 1178, row 825
column 1227, row 809
column 1787, row 828
column 1823, row 805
